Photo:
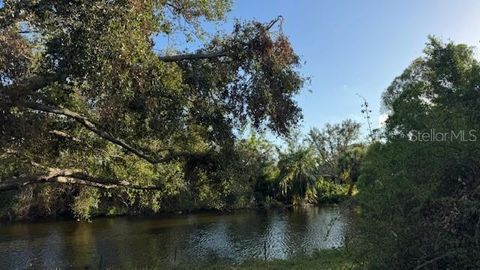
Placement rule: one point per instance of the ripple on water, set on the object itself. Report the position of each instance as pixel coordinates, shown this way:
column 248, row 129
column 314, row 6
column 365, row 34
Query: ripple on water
column 196, row 238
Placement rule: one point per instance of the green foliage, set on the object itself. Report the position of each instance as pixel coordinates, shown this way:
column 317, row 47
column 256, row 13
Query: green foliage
column 296, row 173
column 349, row 165
column 331, row 144
column 329, row 192
column 258, row 168
column 323, row 168
column 85, row 203
column 97, row 120
column 87, row 97
column 418, row 192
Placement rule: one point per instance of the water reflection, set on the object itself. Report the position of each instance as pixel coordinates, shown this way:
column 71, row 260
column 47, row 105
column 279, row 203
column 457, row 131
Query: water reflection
column 198, row 238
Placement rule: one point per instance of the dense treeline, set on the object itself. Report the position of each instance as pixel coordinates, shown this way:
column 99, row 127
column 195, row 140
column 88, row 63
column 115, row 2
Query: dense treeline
column 418, row 198
column 257, row 173
column 96, row 119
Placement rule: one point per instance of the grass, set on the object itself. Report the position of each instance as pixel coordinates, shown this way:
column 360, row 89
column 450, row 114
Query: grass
column 321, row 260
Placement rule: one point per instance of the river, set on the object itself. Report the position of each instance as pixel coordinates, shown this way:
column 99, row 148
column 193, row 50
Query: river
column 133, row 242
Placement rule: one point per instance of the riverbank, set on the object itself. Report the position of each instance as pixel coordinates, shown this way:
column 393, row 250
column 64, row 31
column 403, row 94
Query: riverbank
column 319, row 260
column 169, row 213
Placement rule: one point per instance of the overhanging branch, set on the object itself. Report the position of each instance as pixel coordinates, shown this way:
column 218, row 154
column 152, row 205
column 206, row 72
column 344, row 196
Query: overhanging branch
column 30, row 85
column 211, row 55
column 192, row 56
column 92, row 127
column 72, row 177
column 107, row 136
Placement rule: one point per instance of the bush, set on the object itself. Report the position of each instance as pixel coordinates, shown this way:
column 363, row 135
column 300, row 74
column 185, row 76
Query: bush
column 330, row 192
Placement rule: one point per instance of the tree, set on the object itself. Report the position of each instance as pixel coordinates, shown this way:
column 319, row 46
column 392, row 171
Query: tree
column 87, row 100
column 331, row 143
column 258, row 167
column 349, row 166
column 296, row 168
column 418, row 190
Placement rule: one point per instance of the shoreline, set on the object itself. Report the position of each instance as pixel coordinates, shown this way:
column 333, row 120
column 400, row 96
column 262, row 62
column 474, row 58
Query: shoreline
column 165, row 214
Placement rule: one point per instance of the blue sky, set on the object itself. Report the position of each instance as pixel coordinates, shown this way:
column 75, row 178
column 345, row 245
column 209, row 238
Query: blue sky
column 360, row 46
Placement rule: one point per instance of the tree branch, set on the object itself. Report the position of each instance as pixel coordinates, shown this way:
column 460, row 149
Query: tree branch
column 273, row 22
column 107, row 136
column 211, row 55
column 192, row 56
column 64, row 135
column 432, row 260
column 73, row 177
column 92, row 127
column 30, row 85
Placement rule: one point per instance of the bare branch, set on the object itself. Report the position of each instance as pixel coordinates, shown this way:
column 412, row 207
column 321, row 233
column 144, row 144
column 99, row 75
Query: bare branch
column 73, row 177
column 193, row 56
column 273, row 22
column 92, row 127
column 433, row 260
column 107, row 136
column 28, row 32
column 64, row 135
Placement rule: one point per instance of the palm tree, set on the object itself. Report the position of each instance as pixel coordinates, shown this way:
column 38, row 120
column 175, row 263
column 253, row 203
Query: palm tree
column 349, row 165
column 297, row 172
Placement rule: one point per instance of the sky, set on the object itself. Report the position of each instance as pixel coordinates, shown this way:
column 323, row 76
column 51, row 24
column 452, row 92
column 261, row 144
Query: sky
column 360, row 46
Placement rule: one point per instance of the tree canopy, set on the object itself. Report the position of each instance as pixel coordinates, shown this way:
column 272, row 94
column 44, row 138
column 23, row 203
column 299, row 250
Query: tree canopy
column 418, row 190
column 88, row 98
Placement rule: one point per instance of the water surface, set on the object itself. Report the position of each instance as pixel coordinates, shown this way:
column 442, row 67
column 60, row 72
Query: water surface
column 185, row 239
